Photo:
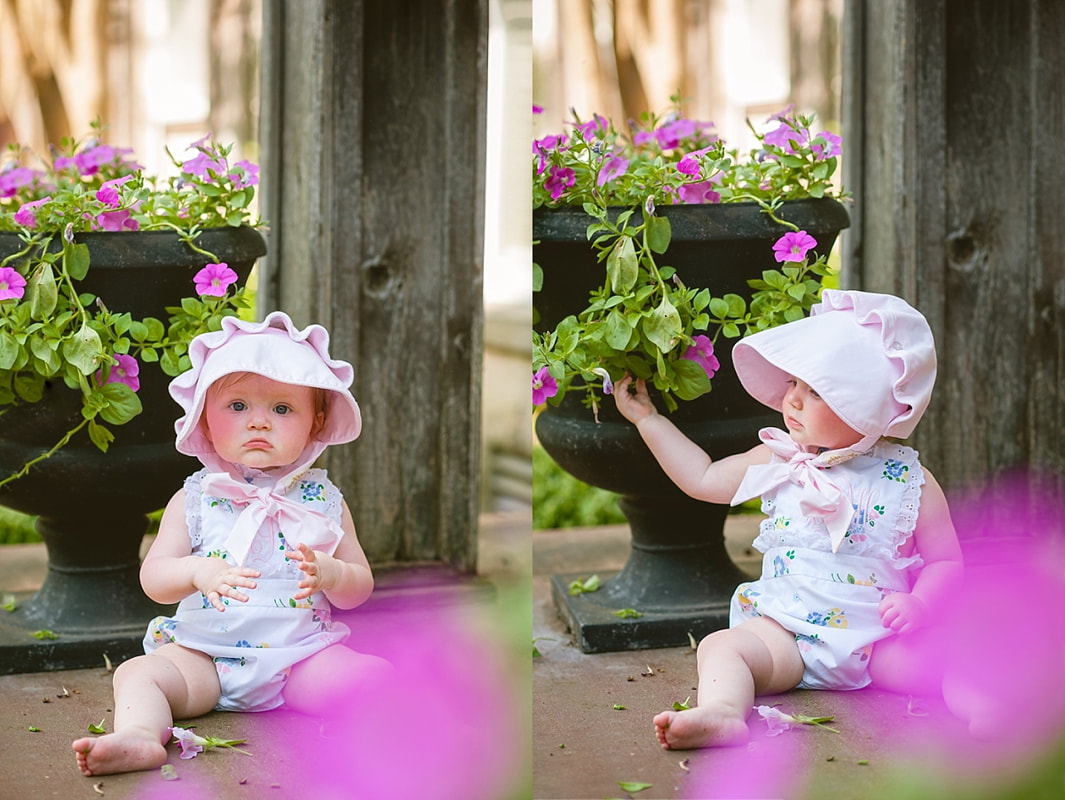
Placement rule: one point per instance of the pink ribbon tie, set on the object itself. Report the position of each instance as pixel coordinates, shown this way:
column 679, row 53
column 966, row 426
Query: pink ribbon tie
column 301, row 525
column 821, row 495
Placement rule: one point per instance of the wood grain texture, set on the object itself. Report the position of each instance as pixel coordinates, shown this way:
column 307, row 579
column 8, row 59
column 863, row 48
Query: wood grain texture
column 953, row 123
column 373, row 138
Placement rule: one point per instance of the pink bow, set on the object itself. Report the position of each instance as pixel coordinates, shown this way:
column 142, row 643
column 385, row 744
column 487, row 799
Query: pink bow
column 821, row 495
column 301, row 525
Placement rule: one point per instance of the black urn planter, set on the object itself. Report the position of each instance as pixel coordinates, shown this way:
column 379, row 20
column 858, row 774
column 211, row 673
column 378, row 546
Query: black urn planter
column 678, row 576
column 92, row 505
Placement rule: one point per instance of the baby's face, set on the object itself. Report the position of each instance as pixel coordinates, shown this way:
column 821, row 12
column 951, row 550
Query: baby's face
column 811, row 422
column 259, row 422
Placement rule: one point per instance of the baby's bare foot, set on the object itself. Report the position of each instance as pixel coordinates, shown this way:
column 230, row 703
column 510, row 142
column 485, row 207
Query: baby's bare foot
column 699, row 727
column 119, row 752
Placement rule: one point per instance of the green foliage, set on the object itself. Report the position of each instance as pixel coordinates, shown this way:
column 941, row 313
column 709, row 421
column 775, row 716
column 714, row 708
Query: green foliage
column 51, row 330
column 16, row 528
column 562, row 501
column 643, row 319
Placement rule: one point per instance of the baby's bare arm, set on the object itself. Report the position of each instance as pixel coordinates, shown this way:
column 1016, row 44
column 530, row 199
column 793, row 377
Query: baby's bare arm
column 936, row 540
column 170, row 572
column 686, row 464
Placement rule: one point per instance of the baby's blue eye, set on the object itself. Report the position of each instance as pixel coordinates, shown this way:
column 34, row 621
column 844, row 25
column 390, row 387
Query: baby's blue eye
column 237, row 405
column 281, row 409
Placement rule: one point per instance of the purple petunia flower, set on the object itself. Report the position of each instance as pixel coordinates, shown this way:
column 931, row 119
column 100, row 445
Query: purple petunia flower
column 244, row 174
column 560, row 179
column 831, row 147
column 543, row 386
column 701, row 351
column 15, row 178
column 125, row 370
column 793, row 246
column 783, row 136
column 214, row 279
column 608, row 385
column 200, row 164
column 12, row 284
column 612, row 168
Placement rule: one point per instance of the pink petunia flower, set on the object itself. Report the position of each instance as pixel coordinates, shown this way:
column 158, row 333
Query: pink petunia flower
column 543, row 386
column 191, row 744
column 108, row 192
column 701, row 351
column 26, row 216
column 793, row 246
column 125, row 370
column 700, row 192
column 214, row 279
column 12, row 284
column 117, row 221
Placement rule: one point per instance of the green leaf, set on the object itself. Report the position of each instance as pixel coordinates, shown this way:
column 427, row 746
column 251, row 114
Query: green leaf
column 34, row 729
column 619, row 707
column 692, row 380
column 9, row 350
column 658, row 234
column 8, row 602
column 618, row 330
column 537, row 277
column 44, row 634
column 633, row 786
column 590, row 584
column 122, row 403
column 663, row 326
column 83, row 350
column 629, row 613
column 100, row 436
column 622, row 266
column 98, row 728
column 679, row 706
column 155, row 328
column 76, row 260
column 42, row 292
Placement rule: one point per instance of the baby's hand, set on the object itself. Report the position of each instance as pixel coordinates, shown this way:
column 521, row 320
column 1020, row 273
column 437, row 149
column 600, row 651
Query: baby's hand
column 217, row 579
column 633, row 407
column 902, row 612
column 319, row 570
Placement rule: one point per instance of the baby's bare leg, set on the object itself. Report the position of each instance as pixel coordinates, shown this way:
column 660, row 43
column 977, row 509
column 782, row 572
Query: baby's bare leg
column 149, row 691
column 757, row 657
column 330, row 681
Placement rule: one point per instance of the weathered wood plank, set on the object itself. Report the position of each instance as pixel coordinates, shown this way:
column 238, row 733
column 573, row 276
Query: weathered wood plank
column 376, row 137
column 953, row 121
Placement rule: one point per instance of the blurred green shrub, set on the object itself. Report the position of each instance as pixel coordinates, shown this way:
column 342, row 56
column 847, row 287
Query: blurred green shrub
column 16, row 527
column 562, row 501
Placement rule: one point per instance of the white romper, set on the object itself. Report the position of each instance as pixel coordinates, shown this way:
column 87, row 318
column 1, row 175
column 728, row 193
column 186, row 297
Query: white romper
column 830, row 601
column 253, row 644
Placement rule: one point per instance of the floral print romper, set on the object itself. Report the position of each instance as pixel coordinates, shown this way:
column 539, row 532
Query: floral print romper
column 253, row 644
column 830, row 601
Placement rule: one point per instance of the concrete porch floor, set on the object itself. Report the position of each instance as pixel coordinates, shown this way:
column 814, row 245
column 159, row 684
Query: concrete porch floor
column 463, row 665
column 888, row 745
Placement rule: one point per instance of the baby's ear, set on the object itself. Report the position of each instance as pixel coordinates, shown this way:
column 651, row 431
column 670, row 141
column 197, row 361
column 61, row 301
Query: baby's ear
column 319, row 424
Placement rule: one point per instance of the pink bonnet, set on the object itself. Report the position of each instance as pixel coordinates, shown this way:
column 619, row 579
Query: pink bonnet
column 273, row 348
column 870, row 356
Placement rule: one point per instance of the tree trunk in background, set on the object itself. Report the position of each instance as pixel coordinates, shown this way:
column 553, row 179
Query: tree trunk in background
column 372, row 164
column 953, row 124
column 52, row 69
column 813, row 30
column 235, row 29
